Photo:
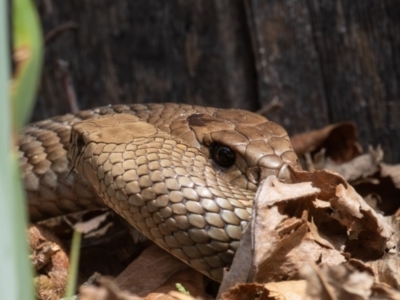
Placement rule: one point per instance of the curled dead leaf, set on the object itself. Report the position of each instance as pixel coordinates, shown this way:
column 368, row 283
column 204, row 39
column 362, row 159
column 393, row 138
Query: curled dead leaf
column 339, row 140
column 361, row 166
column 319, row 218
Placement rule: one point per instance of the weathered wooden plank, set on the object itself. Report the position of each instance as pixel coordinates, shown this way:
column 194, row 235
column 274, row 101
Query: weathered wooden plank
column 329, row 61
column 358, row 43
column 287, row 62
column 325, row 60
column 147, row 51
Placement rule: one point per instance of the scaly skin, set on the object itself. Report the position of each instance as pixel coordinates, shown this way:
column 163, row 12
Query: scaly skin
column 152, row 166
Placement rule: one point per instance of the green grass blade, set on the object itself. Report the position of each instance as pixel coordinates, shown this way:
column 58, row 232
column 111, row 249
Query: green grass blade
column 15, row 270
column 28, row 55
column 74, row 264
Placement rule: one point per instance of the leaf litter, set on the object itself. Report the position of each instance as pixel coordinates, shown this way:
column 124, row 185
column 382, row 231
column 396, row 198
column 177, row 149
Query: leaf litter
column 322, row 236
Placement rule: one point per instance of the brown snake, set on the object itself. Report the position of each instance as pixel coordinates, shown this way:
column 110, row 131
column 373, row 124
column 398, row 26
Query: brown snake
column 184, row 176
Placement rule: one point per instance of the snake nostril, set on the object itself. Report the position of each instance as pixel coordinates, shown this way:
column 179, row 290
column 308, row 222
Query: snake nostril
column 80, row 143
column 222, row 155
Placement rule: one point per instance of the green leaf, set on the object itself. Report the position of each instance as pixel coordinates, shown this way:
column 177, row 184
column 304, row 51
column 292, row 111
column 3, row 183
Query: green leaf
column 181, row 289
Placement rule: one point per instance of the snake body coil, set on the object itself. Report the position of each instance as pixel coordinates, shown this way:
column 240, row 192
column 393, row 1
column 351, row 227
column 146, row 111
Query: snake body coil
column 184, row 176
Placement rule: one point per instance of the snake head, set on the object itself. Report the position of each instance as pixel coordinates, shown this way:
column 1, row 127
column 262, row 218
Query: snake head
column 252, row 146
column 187, row 185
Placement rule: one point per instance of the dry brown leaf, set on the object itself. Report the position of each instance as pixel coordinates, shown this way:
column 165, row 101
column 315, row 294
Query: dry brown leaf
column 110, row 243
column 245, row 291
column 339, row 282
column 339, row 140
column 319, row 219
column 274, row 192
column 381, row 291
column 392, row 171
column 386, row 269
column 282, row 244
column 361, row 166
column 382, row 190
column 107, row 290
column 336, row 282
column 365, row 228
column 337, row 150
column 319, row 236
column 48, row 256
column 191, row 280
column 157, row 271
column 293, row 290
column 344, row 282
column 150, row 270
column 153, row 275
column 92, row 224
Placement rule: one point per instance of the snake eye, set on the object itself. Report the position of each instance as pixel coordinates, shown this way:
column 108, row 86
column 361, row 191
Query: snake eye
column 80, row 143
column 222, row 155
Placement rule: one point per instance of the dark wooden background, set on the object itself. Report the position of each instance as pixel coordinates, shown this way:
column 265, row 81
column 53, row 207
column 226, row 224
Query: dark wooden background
column 324, row 60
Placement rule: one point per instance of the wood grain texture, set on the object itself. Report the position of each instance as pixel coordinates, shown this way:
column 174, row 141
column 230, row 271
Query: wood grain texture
column 287, row 63
column 359, row 47
column 193, row 52
column 325, row 61
column 330, row 61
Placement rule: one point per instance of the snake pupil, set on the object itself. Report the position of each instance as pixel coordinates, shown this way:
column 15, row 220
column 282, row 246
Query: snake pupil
column 222, row 155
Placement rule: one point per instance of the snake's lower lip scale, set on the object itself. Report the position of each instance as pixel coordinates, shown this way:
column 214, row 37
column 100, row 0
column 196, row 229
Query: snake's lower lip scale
column 151, row 164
